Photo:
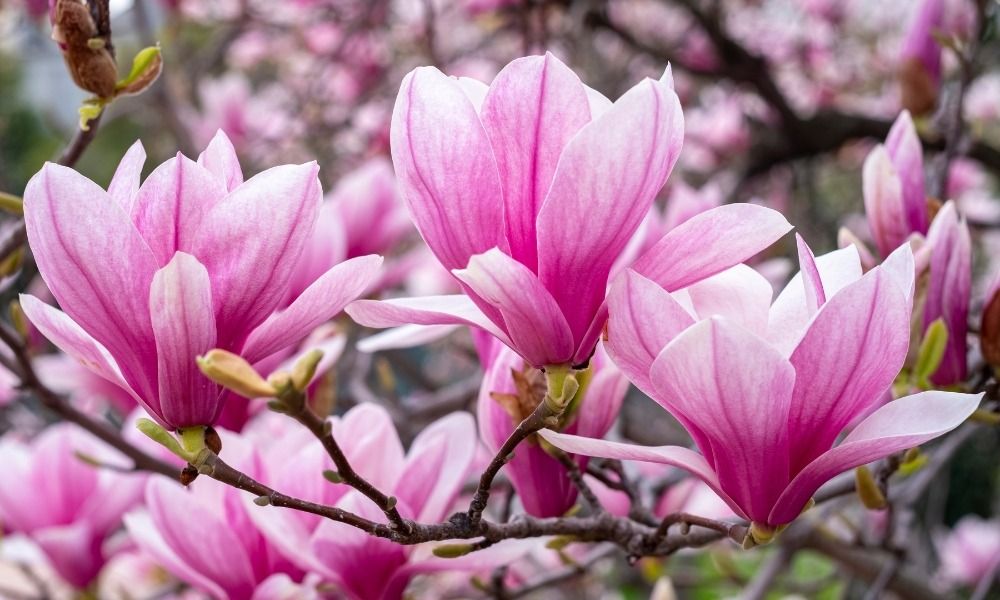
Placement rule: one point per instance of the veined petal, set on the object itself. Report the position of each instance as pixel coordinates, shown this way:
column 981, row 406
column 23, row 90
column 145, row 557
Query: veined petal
column 180, row 302
column 739, row 293
column 949, row 289
column 899, row 425
column 884, row 207
column 736, row 389
column 675, row 456
column 446, row 168
column 317, row 304
column 537, row 328
column 603, row 186
column 125, row 184
column 907, row 153
column 250, row 243
column 709, row 243
column 456, row 309
column 97, row 266
column 847, row 359
column 220, row 159
column 811, row 281
column 643, row 319
column 533, row 108
column 172, row 203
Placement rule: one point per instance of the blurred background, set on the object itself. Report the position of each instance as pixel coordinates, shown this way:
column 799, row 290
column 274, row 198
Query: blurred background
column 782, row 100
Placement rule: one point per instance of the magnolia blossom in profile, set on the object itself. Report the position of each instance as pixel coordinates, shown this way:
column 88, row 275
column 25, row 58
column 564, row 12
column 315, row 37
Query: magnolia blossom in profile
column 202, row 534
column 893, row 180
column 425, row 480
column 765, row 390
column 949, row 290
column 195, row 258
column 528, row 191
column 66, row 506
column 511, row 390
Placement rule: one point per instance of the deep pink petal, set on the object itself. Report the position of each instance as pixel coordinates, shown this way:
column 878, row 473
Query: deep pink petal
column 533, row 108
column 318, row 303
column 847, row 359
column 907, row 153
column 709, row 243
column 736, row 389
column 606, row 180
column 446, row 168
column 74, row 550
column 899, row 425
column 97, row 266
column 949, row 289
column 180, row 302
column 220, row 159
column 534, row 322
column 172, row 203
column 249, row 243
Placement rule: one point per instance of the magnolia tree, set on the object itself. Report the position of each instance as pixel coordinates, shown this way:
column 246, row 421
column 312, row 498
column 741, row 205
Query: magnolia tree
column 454, row 299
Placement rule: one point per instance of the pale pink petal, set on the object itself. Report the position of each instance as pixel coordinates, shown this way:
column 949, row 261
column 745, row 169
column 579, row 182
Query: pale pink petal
column 811, row 280
column 847, row 359
column 147, row 535
column 709, row 243
column 249, row 243
column 534, row 106
column 899, row 425
column 904, row 146
column 737, row 390
column 474, row 89
column 437, row 467
column 425, row 310
column 320, row 302
column 125, row 183
column 97, row 266
column 790, row 315
column 606, row 180
column 172, row 203
column 643, row 319
column 675, row 456
column 446, row 167
column 883, row 196
column 406, row 336
column 900, row 268
column 534, row 322
column 739, row 293
column 481, row 561
column 220, row 159
column 180, row 302
column 371, row 444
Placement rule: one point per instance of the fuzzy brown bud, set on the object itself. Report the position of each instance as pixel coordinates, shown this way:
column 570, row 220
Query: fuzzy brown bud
column 87, row 54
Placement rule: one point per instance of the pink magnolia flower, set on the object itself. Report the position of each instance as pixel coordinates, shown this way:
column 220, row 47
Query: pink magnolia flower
column 540, row 480
column 66, row 506
column 949, row 290
column 527, row 191
column 786, row 379
column 371, row 208
column 893, row 179
column 970, row 551
column 202, row 533
column 919, row 46
column 425, row 480
column 195, row 258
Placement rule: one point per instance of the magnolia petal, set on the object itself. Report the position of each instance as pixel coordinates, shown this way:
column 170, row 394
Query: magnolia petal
column 847, row 359
column 907, row 153
column 739, row 293
column 426, row 310
column 643, row 319
column 406, row 336
column 437, row 465
column 172, row 203
column 736, row 389
column 326, row 297
column 96, row 265
column 883, row 196
column 949, row 289
column 125, row 183
column 533, row 108
column 180, row 302
column 220, row 159
column 709, row 243
column 534, row 322
column 811, row 280
column 249, row 243
column 898, row 425
column 606, row 180
column 446, row 168
column 675, row 456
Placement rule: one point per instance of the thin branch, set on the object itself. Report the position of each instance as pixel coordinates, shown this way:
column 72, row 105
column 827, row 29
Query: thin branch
column 576, row 476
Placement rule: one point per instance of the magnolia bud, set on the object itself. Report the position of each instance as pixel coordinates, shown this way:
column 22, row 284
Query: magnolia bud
column 87, row 54
column 453, row 550
column 305, row 369
column 234, row 373
column 146, row 68
column 931, row 352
